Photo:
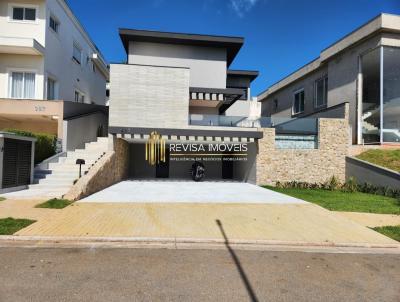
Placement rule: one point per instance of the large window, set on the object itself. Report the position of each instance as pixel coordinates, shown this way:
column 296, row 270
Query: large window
column 370, row 115
column 298, row 102
column 23, row 13
column 321, row 92
column 22, row 85
column 380, row 116
column 77, row 54
column 391, row 94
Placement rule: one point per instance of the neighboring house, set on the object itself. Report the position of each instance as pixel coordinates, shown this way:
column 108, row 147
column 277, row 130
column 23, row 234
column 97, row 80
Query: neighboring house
column 362, row 69
column 48, row 64
column 180, row 86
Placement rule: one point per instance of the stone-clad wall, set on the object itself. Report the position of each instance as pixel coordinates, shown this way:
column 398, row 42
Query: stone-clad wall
column 313, row 165
column 110, row 169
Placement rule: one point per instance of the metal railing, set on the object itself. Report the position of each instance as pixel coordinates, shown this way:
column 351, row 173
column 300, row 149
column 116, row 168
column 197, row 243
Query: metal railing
column 282, row 125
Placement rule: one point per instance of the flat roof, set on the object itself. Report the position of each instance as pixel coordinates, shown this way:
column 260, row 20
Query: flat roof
column 381, row 23
column 252, row 74
column 232, row 44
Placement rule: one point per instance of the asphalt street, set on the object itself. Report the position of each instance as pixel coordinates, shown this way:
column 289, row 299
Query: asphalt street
column 130, row 274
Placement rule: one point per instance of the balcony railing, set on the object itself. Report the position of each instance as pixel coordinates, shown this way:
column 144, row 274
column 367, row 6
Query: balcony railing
column 282, row 125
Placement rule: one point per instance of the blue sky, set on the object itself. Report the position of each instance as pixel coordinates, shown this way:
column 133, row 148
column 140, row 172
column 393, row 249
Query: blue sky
column 280, row 36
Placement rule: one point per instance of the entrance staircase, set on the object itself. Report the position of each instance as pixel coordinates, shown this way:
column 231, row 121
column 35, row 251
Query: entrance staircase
column 59, row 178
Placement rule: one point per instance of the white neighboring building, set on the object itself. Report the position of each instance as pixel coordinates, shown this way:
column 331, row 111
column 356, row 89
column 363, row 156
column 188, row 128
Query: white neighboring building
column 52, row 76
column 45, row 54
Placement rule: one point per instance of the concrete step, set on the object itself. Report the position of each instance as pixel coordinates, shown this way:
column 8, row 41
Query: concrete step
column 50, row 187
column 59, row 182
column 69, row 166
column 84, row 153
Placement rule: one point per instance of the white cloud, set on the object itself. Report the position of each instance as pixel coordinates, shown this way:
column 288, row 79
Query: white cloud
column 242, row 6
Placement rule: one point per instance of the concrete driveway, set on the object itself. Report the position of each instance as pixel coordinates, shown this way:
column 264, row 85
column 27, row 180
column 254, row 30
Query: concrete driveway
column 148, row 191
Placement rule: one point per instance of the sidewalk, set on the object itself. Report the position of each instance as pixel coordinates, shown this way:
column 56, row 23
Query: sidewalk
column 24, row 209
column 372, row 220
column 296, row 223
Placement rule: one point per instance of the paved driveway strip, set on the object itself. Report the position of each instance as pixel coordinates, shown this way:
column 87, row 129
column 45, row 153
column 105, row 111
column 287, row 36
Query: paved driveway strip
column 189, row 192
column 302, row 223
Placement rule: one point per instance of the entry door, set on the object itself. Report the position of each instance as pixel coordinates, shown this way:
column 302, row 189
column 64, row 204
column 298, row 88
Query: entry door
column 227, row 167
column 162, row 169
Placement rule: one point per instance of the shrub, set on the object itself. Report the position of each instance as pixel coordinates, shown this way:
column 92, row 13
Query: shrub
column 333, row 184
column 350, row 185
column 45, row 145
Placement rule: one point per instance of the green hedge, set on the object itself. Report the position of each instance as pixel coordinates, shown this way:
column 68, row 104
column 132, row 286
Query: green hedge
column 45, row 145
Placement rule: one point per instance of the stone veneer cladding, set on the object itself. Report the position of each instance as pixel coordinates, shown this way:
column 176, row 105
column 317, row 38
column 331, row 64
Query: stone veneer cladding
column 110, row 169
column 313, row 166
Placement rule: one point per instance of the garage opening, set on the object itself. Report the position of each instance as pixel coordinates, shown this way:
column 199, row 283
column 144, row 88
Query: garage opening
column 218, row 165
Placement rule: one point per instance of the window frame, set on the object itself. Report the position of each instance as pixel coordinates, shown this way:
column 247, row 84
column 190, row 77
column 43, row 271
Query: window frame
column 24, row 6
column 51, row 78
column 81, row 96
column 294, row 101
column 57, row 22
column 77, row 46
column 324, row 80
column 10, row 71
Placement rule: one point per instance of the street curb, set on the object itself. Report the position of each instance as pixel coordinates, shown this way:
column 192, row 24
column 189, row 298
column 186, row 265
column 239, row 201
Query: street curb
column 172, row 242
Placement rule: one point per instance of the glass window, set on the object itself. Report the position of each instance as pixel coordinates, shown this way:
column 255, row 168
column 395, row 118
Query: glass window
column 298, row 103
column 54, row 24
column 370, row 115
column 79, row 97
column 321, row 91
column 391, row 95
column 18, row 13
column 77, row 54
column 51, row 89
column 30, row 14
column 24, row 14
column 22, row 85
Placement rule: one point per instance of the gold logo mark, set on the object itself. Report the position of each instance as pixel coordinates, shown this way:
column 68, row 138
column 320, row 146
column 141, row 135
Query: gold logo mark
column 155, row 149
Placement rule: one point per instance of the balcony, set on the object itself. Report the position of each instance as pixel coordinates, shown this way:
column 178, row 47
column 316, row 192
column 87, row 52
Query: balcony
column 303, row 126
column 218, row 98
column 23, row 46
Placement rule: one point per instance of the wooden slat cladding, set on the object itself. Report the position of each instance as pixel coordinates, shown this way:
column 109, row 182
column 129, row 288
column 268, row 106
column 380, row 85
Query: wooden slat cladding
column 16, row 163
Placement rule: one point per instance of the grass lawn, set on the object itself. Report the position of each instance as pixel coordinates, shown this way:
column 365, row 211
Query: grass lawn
column 390, row 231
column 386, row 158
column 343, row 201
column 2, row 198
column 54, row 203
column 9, row 226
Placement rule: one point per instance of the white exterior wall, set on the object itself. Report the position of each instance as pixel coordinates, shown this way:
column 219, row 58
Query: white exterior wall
column 207, row 65
column 9, row 63
column 10, row 28
column 59, row 64
column 57, row 60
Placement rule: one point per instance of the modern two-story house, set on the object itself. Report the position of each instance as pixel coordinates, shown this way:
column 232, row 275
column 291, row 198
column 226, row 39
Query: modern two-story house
column 362, row 69
column 51, row 72
column 180, row 87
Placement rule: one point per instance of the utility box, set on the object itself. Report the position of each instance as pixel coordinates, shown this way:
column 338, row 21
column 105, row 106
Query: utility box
column 17, row 155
